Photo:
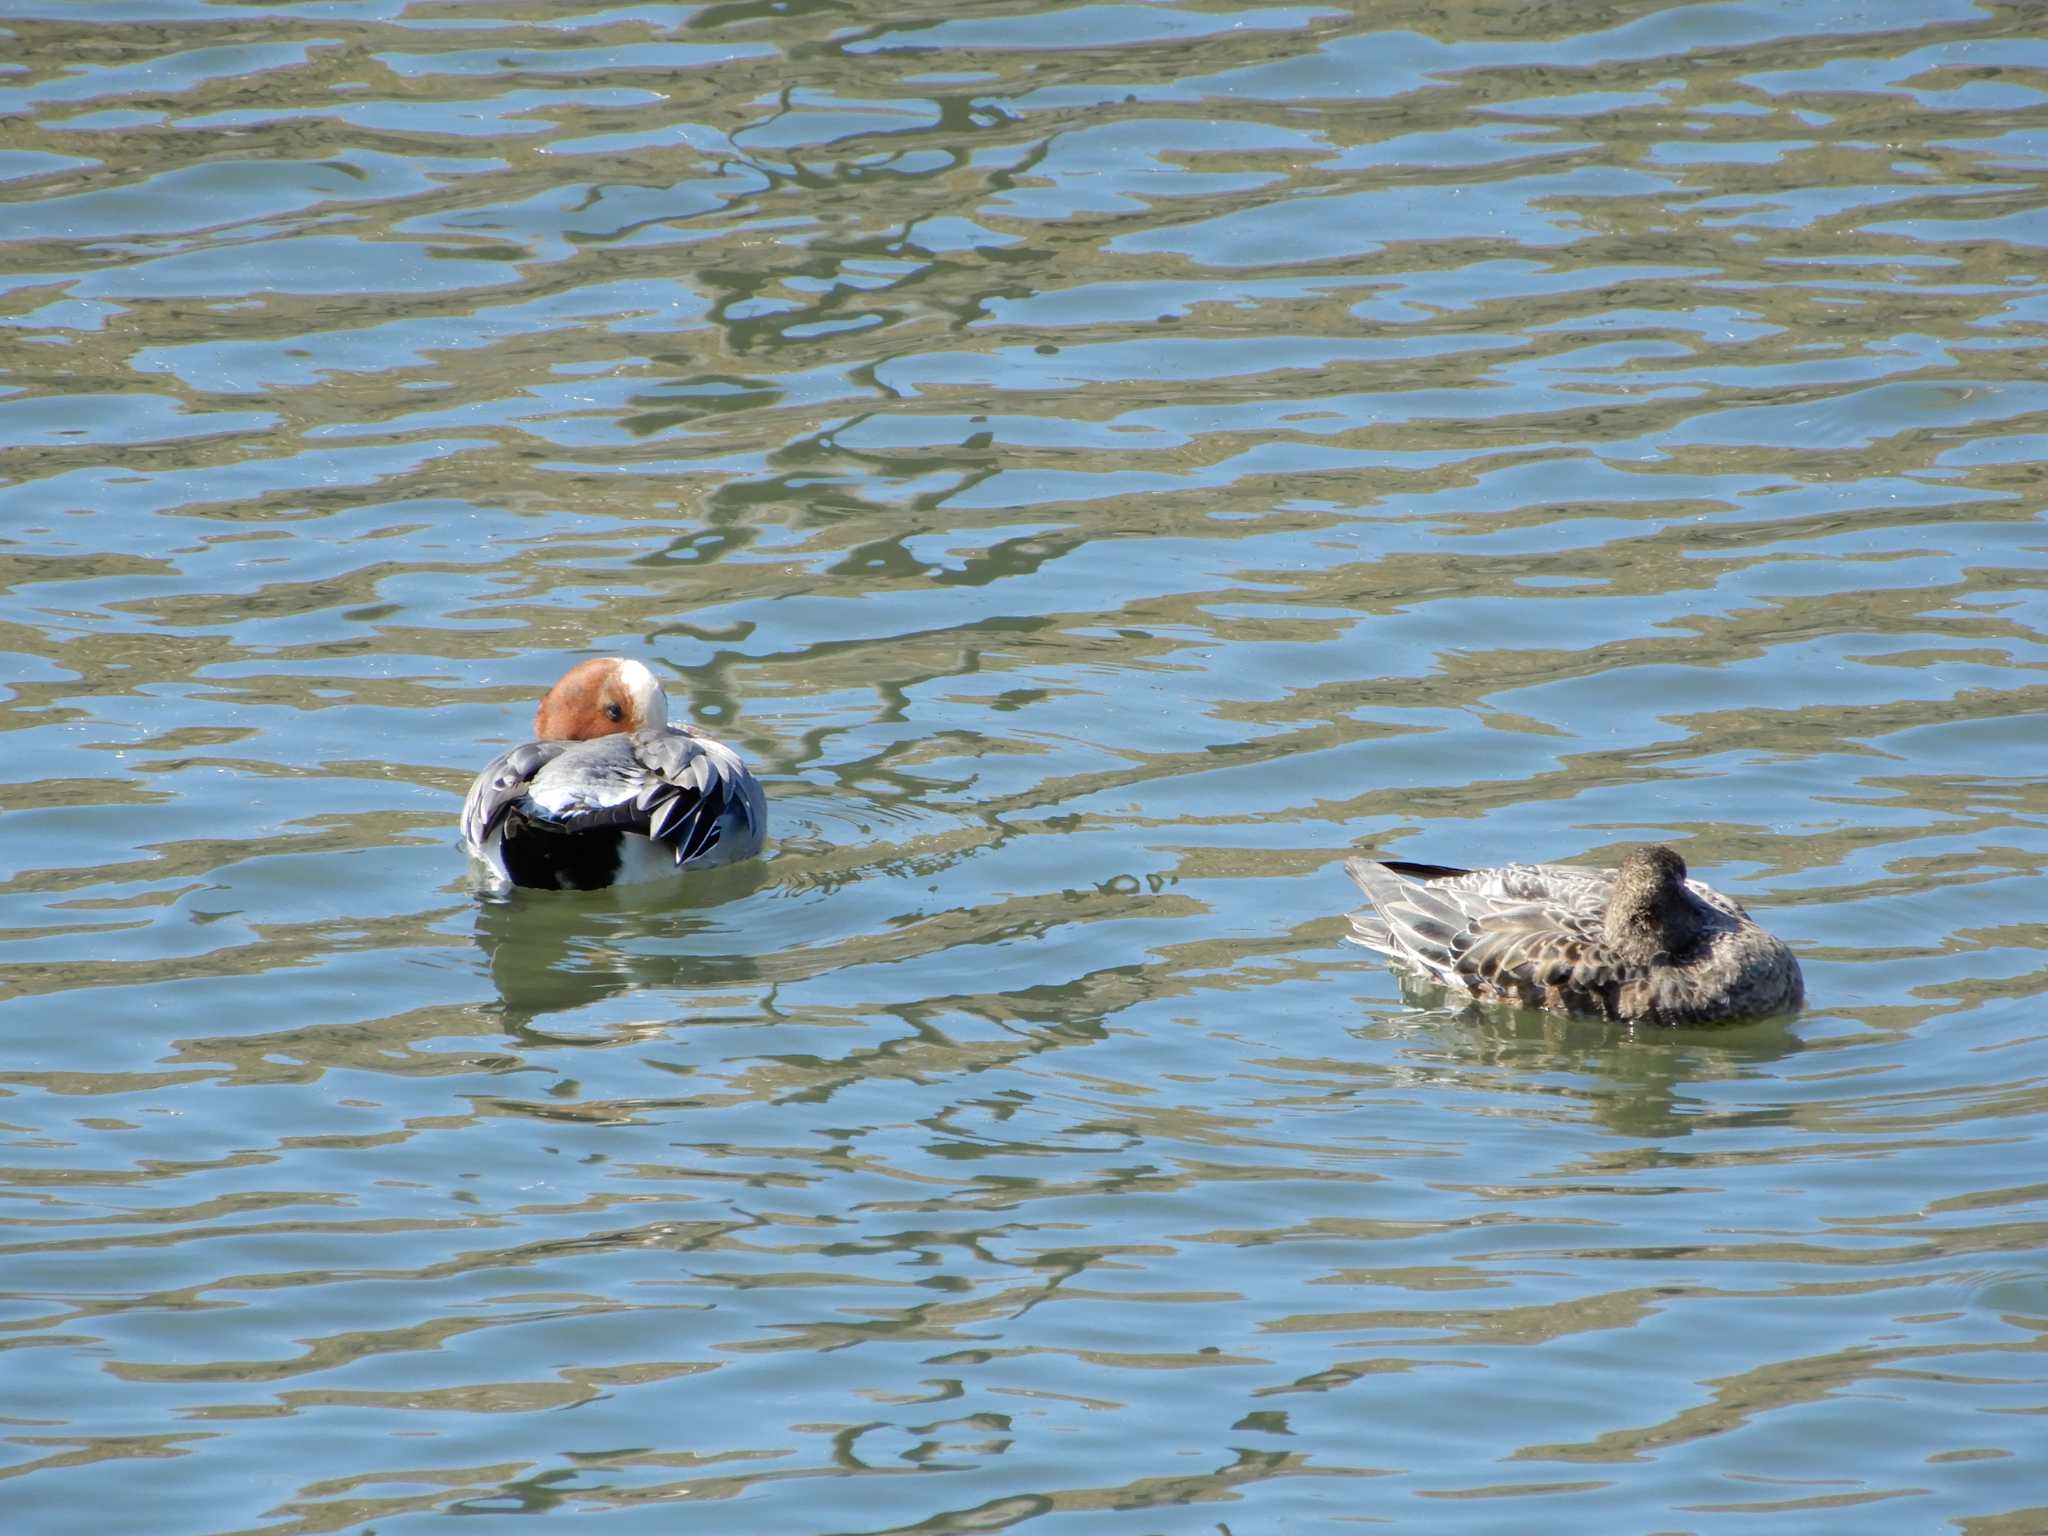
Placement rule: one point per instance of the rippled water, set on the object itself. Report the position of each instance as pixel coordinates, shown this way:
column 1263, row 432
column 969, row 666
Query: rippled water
column 1105, row 464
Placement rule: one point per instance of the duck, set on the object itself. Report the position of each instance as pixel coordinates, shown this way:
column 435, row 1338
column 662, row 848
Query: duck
column 1637, row 944
column 610, row 792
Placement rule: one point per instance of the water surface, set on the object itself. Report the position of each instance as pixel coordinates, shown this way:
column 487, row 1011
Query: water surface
column 1104, row 464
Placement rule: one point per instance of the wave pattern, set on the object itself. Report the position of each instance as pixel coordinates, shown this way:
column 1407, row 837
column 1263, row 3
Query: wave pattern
column 1105, row 463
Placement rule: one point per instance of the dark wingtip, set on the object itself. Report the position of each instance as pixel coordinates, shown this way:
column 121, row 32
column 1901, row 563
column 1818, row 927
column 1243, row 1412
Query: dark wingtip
column 1408, row 871
column 1360, row 869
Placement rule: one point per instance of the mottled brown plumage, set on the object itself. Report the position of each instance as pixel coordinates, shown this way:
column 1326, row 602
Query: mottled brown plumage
column 1641, row 943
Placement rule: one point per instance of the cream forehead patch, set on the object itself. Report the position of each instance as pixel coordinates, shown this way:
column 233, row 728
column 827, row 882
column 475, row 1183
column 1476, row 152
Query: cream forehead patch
column 644, row 688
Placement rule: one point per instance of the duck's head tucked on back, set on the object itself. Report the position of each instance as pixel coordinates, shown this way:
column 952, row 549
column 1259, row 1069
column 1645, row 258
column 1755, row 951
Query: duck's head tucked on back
column 1650, row 912
column 605, row 696
column 610, row 793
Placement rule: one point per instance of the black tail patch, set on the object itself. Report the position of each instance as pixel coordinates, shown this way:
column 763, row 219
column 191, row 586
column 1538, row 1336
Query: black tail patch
column 544, row 857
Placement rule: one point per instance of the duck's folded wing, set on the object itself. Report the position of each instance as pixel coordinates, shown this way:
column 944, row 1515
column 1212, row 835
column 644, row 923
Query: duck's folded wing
column 503, row 785
column 1480, row 930
column 671, row 786
column 704, row 791
column 1547, row 957
column 1411, row 920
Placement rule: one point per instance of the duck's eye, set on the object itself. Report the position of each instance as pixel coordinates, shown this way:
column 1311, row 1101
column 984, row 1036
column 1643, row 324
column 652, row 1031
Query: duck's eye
column 613, row 713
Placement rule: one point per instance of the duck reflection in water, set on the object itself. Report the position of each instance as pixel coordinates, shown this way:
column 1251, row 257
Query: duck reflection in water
column 550, row 959
column 1649, row 1084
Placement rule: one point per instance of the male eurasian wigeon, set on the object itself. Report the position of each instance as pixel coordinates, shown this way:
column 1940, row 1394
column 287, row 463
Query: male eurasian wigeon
column 611, row 793
column 1638, row 944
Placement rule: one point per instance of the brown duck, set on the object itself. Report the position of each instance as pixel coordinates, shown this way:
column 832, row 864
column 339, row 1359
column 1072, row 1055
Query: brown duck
column 1638, row 944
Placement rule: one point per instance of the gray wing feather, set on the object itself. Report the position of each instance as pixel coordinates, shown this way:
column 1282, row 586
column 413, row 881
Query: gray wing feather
column 502, row 785
column 1527, row 932
column 687, row 788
